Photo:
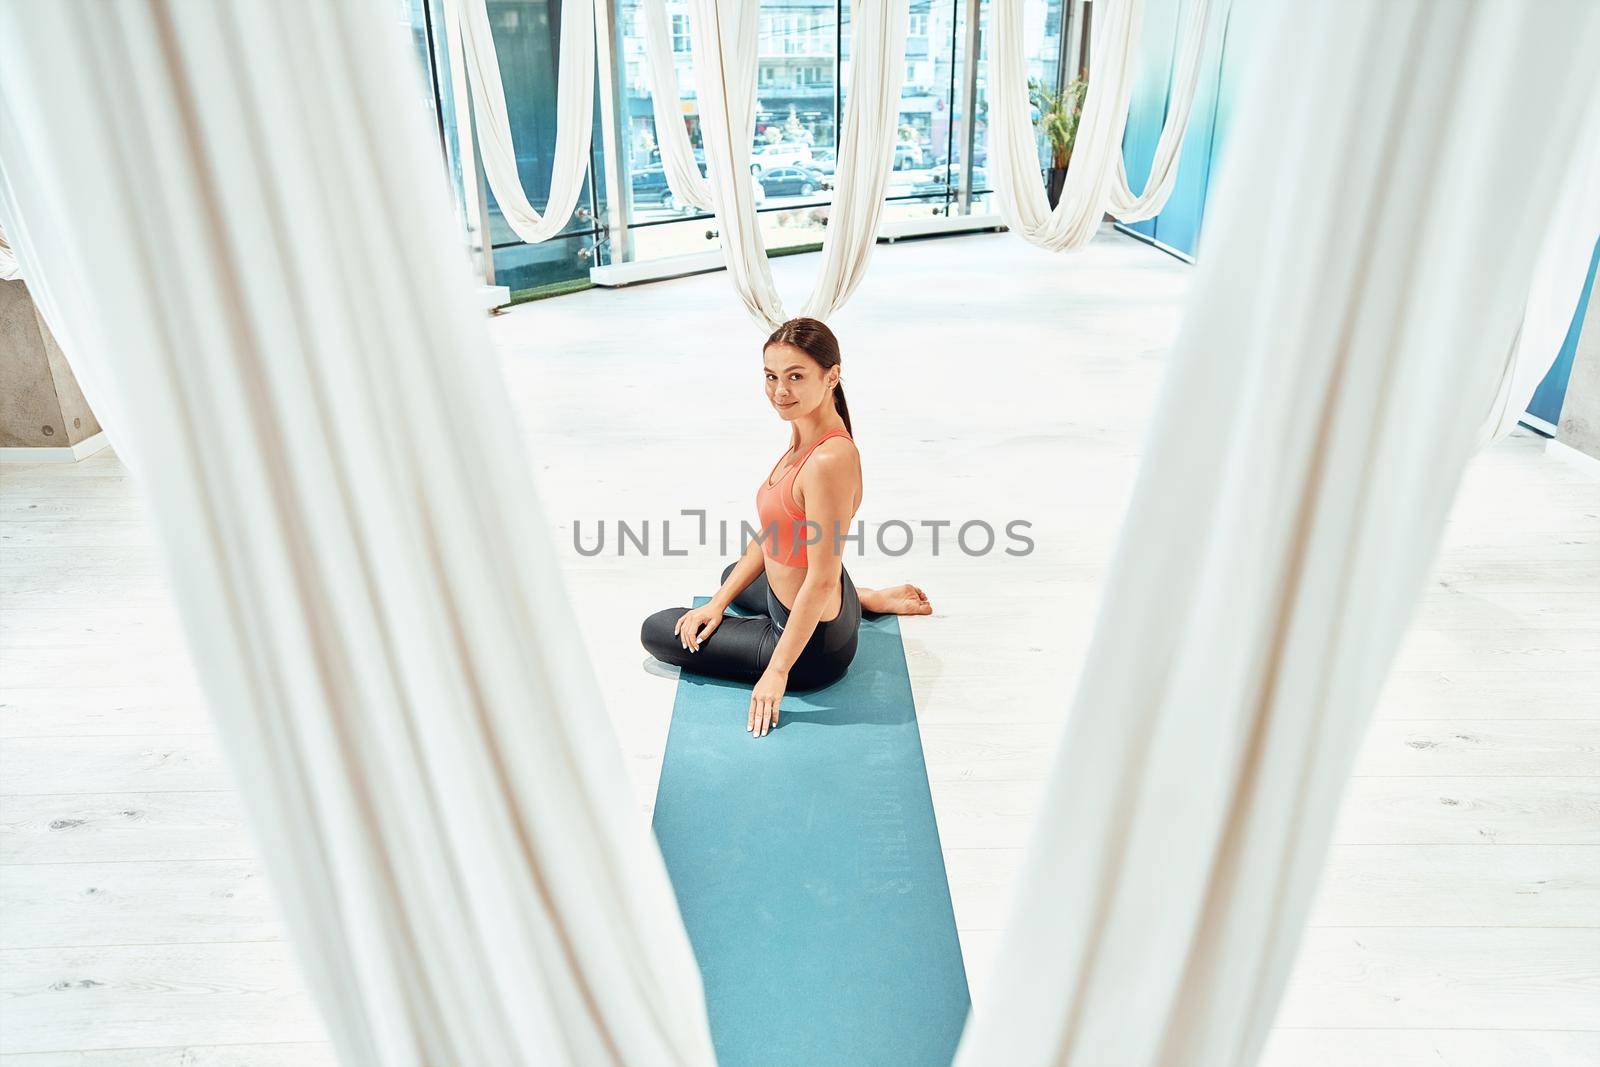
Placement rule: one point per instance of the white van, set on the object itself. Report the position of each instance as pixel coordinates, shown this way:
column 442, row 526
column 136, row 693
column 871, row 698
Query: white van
column 784, row 154
column 913, row 166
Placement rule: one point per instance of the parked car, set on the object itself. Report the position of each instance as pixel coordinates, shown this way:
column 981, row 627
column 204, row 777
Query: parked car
column 699, row 156
column 650, row 187
column 763, row 157
column 823, row 160
column 935, row 184
column 913, row 157
column 791, row 181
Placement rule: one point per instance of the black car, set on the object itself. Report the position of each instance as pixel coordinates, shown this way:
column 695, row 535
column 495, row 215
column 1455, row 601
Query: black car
column 791, row 181
column 650, row 187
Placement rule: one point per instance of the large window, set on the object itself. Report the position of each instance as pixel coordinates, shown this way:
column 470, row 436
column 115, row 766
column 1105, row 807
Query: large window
column 428, row 36
column 803, row 83
column 527, row 37
column 919, row 174
column 795, row 138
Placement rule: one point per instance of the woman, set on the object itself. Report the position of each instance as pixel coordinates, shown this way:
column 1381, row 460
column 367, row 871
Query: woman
column 792, row 575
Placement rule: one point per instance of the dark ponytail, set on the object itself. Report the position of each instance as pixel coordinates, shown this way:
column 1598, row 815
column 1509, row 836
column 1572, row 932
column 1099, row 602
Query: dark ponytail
column 813, row 337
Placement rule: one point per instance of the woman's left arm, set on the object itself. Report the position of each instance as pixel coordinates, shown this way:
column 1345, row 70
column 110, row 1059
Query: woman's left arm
column 828, row 485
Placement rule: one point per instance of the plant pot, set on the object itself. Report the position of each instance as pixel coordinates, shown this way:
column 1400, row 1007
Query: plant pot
column 1055, row 178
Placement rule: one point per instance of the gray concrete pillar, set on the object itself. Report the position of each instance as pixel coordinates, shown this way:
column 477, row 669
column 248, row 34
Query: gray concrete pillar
column 1580, row 410
column 41, row 406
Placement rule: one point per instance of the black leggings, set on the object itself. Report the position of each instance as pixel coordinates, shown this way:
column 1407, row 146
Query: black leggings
column 741, row 646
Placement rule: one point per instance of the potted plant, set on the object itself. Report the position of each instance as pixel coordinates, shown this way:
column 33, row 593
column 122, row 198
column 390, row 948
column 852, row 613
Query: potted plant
column 1058, row 115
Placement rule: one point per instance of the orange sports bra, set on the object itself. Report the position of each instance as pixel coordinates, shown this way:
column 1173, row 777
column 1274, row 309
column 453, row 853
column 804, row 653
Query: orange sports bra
column 782, row 521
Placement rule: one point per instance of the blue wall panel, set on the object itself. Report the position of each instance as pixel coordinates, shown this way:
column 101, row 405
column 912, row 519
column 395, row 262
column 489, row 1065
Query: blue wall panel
column 1178, row 225
column 1230, row 37
column 1546, row 402
column 1147, row 107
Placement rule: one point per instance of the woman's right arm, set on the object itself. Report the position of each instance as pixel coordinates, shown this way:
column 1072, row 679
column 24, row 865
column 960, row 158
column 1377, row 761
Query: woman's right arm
column 748, row 569
column 697, row 624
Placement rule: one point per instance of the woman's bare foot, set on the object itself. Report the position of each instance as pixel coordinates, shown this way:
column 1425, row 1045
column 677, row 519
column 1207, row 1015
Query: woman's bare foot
column 904, row 599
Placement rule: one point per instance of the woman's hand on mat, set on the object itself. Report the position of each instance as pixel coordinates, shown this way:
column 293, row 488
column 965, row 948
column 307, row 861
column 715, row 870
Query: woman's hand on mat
column 764, row 701
column 695, row 625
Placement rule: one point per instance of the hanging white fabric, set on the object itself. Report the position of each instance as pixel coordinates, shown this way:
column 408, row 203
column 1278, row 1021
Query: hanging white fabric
column 870, row 130
column 723, row 43
column 1013, row 152
column 1564, row 257
column 574, row 117
column 1096, row 180
column 8, row 261
column 365, row 575
column 1169, row 149
column 723, row 35
column 1269, row 561
column 687, row 184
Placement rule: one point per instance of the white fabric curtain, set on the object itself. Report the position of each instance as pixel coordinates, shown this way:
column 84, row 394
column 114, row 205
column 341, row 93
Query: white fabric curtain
column 683, row 174
column 724, row 48
column 367, row 581
column 723, row 44
column 574, row 117
column 1097, row 180
column 1269, row 561
column 870, row 129
column 1013, row 153
column 1564, row 257
column 1180, row 103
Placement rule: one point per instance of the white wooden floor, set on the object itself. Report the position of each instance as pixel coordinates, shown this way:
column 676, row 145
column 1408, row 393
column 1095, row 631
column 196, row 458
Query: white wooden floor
column 1459, row 919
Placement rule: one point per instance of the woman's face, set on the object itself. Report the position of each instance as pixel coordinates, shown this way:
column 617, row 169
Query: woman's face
column 796, row 385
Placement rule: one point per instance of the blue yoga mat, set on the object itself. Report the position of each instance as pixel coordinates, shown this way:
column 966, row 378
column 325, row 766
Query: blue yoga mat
column 807, row 867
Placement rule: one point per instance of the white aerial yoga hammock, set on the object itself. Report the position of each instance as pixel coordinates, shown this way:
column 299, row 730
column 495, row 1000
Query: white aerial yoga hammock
column 367, row 582
column 372, row 600
column 1096, row 179
column 723, row 35
column 1269, row 560
column 574, row 117
column 684, row 179
column 1164, row 167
